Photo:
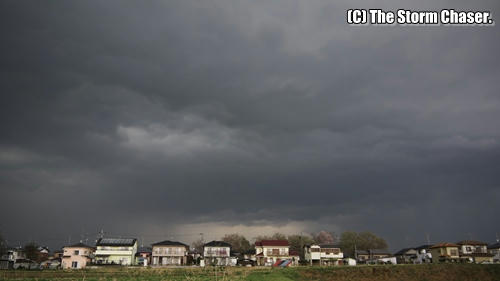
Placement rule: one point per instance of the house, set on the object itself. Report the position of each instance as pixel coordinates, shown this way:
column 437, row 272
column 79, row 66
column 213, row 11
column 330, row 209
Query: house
column 116, row 251
column 474, row 251
column 323, row 254
column 406, row 256
column 445, row 252
column 11, row 257
column 494, row 249
column 271, row 252
column 77, row 256
column 423, row 254
column 167, row 252
column 217, row 253
column 375, row 256
column 143, row 256
column 13, row 254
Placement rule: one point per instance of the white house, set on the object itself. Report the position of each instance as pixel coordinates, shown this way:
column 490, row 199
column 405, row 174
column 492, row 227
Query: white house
column 270, row 252
column 217, row 253
column 324, row 254
column 474, row 251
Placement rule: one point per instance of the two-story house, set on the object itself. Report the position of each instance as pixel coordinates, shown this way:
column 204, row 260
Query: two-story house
column 116, row 251
column 445, row 252
column 77, row 256
column 474, row 251
column 270, row 252
column 167, row 252
column 323, row 254
column 217, row 253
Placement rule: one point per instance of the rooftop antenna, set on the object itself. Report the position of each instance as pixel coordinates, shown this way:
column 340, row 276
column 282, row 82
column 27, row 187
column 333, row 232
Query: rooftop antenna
column 498, row 240
column 428, row 239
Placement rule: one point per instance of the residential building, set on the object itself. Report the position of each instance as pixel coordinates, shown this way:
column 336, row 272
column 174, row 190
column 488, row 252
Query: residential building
column 77, row 256
column 217, row 253
column 374, row 256
column 445, row 252
column 406, row 256
column 494, row 249
column 167, row 252
column 143, row 256
column 474, row 251
column 270, row 252
column 323, row 254
column 116, row 251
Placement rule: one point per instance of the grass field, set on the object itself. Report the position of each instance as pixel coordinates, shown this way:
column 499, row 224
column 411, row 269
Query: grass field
column 438, row 272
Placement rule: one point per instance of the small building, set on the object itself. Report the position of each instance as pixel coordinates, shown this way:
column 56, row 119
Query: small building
column 217, row 253
column 77, row 256
column 167, row 253
column 494, row 249
column 119, row 251
column 445, row 252
column 323, row 254
column 372, row 256
column 143, row 256
column 406, row 256
column 274, row 253
column 474, row 251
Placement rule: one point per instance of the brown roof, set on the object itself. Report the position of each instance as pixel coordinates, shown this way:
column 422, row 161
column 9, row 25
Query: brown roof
column 472, row 242
column 272, row 243
column 443, row 245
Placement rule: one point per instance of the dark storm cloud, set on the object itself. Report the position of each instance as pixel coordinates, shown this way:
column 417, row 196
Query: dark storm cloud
column 154, row 116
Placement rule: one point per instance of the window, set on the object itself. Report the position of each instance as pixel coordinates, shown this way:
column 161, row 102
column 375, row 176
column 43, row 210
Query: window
column 76, row 252
column 453, row 252
column 74, row 264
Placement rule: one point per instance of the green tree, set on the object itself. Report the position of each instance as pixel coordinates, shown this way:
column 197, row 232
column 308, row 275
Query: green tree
column 349, row 241
column 298, row 241
column 238, row 242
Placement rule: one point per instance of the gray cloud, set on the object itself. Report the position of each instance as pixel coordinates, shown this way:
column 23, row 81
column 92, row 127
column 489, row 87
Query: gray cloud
column 181, row 117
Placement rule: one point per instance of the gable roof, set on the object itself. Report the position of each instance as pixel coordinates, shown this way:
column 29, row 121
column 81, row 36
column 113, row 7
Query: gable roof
column 217, row 244
column 272, row 243
column 494, row 246
column 472, row 242
column 403, row 251
column 443, row 245
column 170, row 243
column 116, row 242
column 79, row 245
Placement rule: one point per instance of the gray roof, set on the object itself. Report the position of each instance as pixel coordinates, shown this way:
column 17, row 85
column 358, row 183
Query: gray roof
column 217, row 244
column 116, row 242
column 170, row 243
column 494, row 246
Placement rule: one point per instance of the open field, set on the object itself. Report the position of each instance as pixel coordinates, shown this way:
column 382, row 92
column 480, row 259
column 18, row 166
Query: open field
column 439, row 272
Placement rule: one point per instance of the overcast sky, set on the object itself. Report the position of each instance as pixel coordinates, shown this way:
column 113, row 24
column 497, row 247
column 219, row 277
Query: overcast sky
column 166, row 119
